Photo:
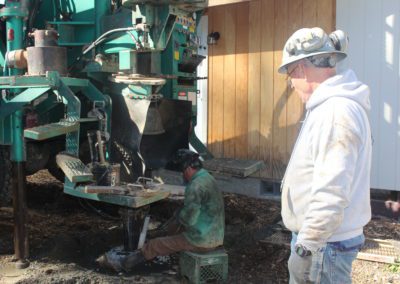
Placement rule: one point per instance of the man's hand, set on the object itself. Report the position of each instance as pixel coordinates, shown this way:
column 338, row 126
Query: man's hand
column 305, row 266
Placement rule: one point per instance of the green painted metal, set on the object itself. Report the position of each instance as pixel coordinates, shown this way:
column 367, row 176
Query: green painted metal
column 22, row 81
column 49, row 109
column 75, row 82
column 47, row 131
column 162, row 33
column 125, row 41
column 181, row 27
column 199, row 146
column 96, row 96
column 127, row 60
column 78, row 30
column 14, row 13
column 74, row 23
column 5, row 133
column 3, row 50
column 74, row 169
column 53, row 97
column 102, row 8
column 18, row 153
column 17, row 82
column 139, row 91
column 73, row 115
column 76, row 33
column 18, row 87
column 19, row 101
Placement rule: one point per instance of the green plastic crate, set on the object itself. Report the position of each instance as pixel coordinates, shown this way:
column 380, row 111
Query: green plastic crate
column 210, row 267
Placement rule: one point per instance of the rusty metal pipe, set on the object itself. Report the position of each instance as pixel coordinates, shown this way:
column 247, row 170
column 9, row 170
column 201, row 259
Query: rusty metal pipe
column 132, row 222
column 45, row 38
column 128, row 226
column 21, row 246
column 17, row 59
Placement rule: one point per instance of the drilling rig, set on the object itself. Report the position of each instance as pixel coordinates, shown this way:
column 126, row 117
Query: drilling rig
column 100, row 93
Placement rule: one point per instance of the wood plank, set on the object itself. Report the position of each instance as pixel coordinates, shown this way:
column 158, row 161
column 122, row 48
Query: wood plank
column 254, row 80
column 229, row 111
column 310, row 13
column 217, row 95
column 280, row 155
column 260, row 121
column 210, row 116
column 267, row 84
column 212, row 3
column 242, row 59
column 325, row 13
column 294, row 104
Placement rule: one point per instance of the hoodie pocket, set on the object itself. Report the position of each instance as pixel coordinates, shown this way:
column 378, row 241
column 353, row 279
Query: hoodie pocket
column 287, row 209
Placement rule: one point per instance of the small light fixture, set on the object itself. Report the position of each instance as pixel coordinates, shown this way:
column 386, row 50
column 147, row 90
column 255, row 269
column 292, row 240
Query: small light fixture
column 213, row 37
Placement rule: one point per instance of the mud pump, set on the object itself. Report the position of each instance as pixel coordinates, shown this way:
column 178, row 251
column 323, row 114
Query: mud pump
column 99, row 92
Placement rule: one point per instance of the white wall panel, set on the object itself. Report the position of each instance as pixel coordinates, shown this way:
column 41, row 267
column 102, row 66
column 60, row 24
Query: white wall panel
column 201, row 128
column 374, row 53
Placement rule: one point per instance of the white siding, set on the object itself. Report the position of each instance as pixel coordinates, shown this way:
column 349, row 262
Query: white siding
column 201, row 128
column 374, row 53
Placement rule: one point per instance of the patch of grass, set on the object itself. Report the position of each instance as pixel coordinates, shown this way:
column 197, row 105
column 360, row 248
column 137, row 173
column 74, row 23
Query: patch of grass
column 395, row 267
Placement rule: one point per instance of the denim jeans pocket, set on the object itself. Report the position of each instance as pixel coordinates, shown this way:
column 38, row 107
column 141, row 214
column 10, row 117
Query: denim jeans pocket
column 350, row 245
column 340, row 256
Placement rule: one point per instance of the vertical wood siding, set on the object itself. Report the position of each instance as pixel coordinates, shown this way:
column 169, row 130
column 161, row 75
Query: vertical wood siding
column 252, row 113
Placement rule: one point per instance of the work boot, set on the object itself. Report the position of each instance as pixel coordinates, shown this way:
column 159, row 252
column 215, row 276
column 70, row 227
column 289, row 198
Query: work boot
column 132, row 259
column 111, row 259
column 118, row 259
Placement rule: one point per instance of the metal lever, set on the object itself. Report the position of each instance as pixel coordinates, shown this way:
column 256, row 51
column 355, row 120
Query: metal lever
column 142, row 236
column 101, row 147
column 92, row 148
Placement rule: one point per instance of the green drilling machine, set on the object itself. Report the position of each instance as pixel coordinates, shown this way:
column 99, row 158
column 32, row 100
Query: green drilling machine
column 100, row 93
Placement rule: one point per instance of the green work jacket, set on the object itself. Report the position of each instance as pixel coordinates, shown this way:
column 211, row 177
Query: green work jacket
column 203, row 213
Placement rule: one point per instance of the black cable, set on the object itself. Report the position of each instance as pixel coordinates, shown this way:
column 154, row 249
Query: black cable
column 99, row 40
column 90, row 207
column 103, row 37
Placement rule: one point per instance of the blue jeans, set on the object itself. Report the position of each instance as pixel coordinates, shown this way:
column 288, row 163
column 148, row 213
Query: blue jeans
column 331, row 264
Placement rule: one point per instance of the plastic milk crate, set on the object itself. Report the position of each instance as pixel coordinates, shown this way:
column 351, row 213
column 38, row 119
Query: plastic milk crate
column 209, row 267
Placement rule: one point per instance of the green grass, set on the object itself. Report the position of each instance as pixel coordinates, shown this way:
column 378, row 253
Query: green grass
column 395, row 267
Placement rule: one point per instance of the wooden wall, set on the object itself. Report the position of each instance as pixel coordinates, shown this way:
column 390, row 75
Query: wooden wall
column 251, row 112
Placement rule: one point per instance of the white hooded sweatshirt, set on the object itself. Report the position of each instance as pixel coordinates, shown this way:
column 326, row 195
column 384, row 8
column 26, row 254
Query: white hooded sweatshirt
column 326, row 188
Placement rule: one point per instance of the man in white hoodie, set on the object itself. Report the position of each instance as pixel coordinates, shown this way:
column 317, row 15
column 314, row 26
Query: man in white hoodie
column 325, row 190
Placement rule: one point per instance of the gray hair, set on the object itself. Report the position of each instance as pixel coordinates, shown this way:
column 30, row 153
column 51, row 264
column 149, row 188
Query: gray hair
column 322, row 60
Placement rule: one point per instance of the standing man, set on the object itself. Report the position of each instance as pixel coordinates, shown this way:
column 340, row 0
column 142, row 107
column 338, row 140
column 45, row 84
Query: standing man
column 199, row 226
column 325, row 190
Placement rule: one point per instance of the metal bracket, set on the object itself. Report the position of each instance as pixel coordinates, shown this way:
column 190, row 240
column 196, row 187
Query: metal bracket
column 13, row 12
column 53, row 78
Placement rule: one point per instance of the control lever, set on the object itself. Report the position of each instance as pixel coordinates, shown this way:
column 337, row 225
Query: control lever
column 100, row 146
column 92, row 148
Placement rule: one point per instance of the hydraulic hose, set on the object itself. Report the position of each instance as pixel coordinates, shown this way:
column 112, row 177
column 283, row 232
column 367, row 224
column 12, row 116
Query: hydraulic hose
column 104, row 36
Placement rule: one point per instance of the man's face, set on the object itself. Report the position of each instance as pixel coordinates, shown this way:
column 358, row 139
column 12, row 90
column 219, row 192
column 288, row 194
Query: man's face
column 186, row 174
column 297, row 76
column 292, row 70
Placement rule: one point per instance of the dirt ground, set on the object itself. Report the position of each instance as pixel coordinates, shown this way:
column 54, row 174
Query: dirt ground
column 66, row 235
